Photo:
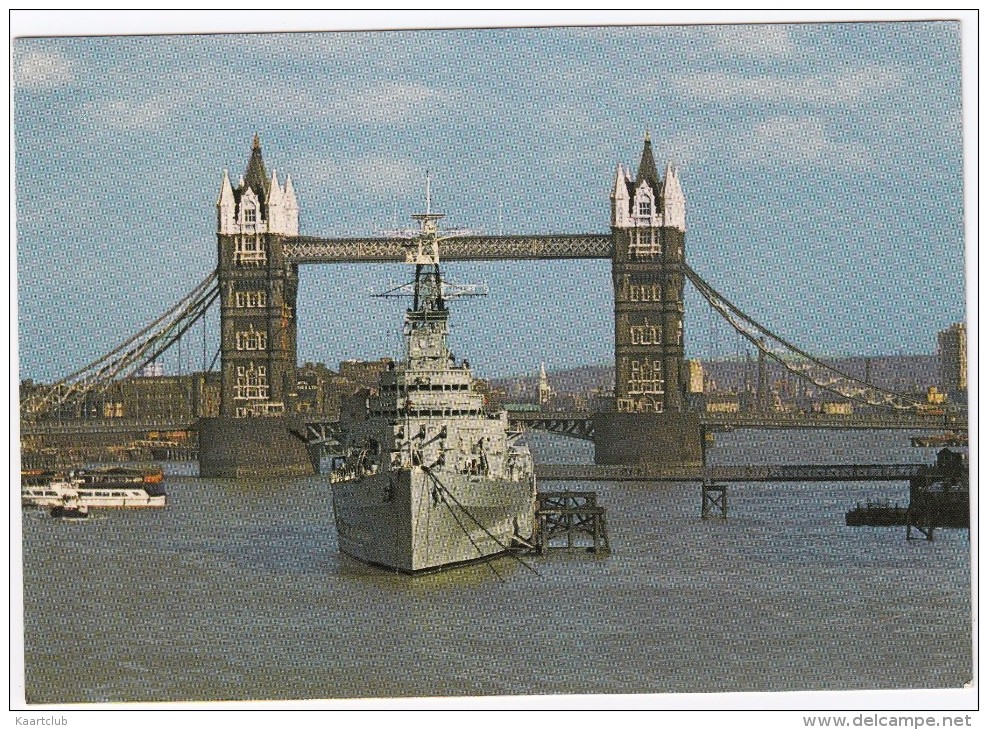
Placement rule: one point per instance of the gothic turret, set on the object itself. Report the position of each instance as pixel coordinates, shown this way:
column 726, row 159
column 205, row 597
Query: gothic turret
column 226, row 206
column 672, row 201
column 258, row 204
column 620, row 207
column 647, row 200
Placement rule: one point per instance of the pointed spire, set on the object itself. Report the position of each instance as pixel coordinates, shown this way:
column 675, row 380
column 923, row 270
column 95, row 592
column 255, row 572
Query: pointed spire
column 620, row 190
column 256, row 178
column 226, row 190
column 620, row 197
column 274, row 188
column 289, row 206
column 290, row 199
column 673, row 201
column 225, row 206
column 545, row 390
column 646, row 167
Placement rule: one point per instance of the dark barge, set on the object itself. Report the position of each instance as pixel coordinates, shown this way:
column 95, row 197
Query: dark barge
column 939, row 496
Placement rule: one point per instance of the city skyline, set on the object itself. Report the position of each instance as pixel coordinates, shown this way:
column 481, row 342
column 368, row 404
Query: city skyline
column 821, row 165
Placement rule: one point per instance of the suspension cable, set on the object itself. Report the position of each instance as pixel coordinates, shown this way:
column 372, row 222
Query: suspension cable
column 728, row 311
column 156, row 337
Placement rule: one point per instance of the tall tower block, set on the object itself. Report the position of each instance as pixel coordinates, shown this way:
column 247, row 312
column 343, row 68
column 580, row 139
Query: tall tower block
column 256, row 432
column 648, row 224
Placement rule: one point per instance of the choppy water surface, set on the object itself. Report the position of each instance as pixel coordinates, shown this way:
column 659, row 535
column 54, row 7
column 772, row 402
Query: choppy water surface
column 237, row 591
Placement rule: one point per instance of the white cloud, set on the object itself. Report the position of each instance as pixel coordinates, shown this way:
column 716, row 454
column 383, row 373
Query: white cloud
column 130, row 114
column 43, row 70
column 684, row 148
column 822, row 89
column 798, row 142
column 383, row 102
column 387, row 101
column 751, row 41
column 385, row 177
column 374, row 175
column 378, row 102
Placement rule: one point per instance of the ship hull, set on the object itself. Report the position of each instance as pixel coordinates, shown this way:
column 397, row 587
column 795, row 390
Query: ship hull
column 409, row 521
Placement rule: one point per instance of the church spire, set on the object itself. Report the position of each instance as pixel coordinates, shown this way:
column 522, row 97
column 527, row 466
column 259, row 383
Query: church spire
column 545, row 390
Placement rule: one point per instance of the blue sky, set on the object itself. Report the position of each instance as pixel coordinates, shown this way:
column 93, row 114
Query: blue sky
column 822, row 165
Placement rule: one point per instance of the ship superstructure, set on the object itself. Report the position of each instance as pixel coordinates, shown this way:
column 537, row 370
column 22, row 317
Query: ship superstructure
column 431, row 478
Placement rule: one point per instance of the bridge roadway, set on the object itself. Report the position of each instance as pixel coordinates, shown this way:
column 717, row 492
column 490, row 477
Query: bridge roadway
column 578, row 424
column 730, row 473
column 84, row 426
column 314, row 250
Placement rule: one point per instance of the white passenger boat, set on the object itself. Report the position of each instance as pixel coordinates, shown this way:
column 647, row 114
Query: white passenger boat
column 71, row 507
column 430, row 478
column 52, row 492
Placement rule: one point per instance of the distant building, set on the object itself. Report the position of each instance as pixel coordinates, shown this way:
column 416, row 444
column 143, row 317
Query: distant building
column 696, row 375
column 952, row 360
column 152, row 370
column 366, row 373
column 167, row 398
column 545, row 390
column 723, row 403
column 324, row 393
column 315, row 391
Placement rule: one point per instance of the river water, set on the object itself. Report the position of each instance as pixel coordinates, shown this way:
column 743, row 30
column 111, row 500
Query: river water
column 236, row 591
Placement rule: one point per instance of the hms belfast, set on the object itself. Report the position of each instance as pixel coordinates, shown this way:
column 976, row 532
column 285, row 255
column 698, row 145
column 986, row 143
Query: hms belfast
column 431, row 479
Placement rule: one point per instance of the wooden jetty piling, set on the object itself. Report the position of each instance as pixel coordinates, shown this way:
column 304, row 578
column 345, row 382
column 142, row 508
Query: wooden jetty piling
column 920, row 520
column 574, row 517
column 714, row 499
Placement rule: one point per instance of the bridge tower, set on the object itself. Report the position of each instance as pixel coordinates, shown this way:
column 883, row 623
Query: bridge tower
column 257, row 292
column 649, row 421
column 258, row 340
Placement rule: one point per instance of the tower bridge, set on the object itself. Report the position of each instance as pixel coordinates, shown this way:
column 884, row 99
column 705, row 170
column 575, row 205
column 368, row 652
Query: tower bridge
column 260, row 248
column 259, row 251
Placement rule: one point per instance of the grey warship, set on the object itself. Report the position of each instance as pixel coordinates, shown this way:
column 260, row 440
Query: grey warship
column 430, row 479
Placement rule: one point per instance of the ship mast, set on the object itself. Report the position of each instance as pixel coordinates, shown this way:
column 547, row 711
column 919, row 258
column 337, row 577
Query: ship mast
column 426, row 320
